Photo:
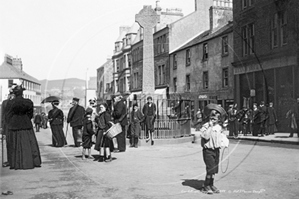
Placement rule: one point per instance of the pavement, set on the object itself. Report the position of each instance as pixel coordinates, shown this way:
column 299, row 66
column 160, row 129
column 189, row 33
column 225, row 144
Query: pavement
column 277, row 137
column 159, row 171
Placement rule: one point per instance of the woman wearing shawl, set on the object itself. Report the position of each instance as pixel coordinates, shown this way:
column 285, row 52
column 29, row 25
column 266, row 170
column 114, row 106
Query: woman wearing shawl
column 56, row 120
column 103, row 143
column 25, row 153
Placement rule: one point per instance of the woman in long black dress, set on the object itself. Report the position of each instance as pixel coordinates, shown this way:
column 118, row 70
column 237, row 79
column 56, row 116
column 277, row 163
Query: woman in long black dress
column 56, row 120
column 25, row 153
column 103, row 144
column 256, row 120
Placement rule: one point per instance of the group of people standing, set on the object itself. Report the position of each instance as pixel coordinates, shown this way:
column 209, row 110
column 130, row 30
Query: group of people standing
column 261, row 121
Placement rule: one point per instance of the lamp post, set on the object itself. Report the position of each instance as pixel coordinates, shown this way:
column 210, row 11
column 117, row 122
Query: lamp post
column 86, row 87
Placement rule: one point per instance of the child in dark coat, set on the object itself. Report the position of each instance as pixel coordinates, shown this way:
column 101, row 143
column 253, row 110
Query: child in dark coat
column 136, row 118
column 88, row 132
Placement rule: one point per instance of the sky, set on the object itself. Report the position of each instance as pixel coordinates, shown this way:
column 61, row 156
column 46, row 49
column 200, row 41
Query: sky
column 58, row 39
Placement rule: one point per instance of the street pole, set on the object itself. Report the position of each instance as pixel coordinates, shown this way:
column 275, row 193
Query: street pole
column 86, row 87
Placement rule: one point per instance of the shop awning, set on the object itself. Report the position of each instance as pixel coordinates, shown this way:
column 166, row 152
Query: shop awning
column 130, row 97
column 161, row 91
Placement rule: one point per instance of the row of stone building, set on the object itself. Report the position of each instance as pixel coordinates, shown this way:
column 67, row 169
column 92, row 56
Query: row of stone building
column 11, row 72
column 224, row 52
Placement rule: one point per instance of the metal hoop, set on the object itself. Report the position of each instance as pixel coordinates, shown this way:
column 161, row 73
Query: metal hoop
column 223, row 161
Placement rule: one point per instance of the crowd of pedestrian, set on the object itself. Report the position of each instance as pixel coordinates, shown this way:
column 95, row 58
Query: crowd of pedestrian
column 260, row 120
column 91, row 126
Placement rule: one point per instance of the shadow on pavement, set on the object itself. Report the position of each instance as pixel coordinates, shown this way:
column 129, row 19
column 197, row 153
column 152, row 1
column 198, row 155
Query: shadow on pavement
column 194, row 183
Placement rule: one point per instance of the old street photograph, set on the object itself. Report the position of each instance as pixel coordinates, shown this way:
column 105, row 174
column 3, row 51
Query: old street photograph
column 149, row 99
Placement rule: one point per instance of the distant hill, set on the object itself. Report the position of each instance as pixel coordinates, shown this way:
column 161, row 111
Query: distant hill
column 64, row 84
column 66, row 89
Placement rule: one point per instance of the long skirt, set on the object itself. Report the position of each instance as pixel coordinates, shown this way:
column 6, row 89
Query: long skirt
column 256, row 129
column 87, row 141
column 272, row 128
column 103, row 141
column 58, row 136
column 135, row 129
column 25, row 152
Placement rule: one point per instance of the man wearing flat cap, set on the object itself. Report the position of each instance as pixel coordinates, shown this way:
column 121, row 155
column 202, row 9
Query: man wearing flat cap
column 75, row 118
column 120, row 116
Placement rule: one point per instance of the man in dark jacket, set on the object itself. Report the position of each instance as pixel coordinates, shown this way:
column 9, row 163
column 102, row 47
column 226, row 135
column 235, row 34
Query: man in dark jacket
column 120, row 116
column 263, row 117
column 271, row 122
column 37, row 121
column 75, row 118
column 233, row 120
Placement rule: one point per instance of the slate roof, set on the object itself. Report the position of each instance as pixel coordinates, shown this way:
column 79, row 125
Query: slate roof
column 8, row 71
column 204, row 36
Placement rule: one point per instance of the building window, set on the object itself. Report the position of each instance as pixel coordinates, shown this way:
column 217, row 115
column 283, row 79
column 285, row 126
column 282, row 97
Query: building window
column 129, row 60
column 248, row 37
column 274, row 31
column 159, row 45
column 188, row 82
column 244, row 4
column 107, row 87
column 245, row 40
column 135, row 80
column 283, row 28
column 251, row 2
column 205, row 80
column 225, row 45
column 163, row 45
column 118, row 65
column 188, row 57
column 205, row 52
column 141, row 33
column 174, row 61
column 163, row 74
column 155, row 46
column 175, row 84
column 225, row 77
column 128, row 84
column 159, row 75
column 117, row 85
column 10, row 83
column 251, row 38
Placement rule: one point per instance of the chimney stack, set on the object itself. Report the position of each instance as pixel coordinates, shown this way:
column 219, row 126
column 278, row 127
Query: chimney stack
column 157, row 7
column 220, row 14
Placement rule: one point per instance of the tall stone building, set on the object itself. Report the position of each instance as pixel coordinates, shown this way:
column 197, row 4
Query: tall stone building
column 161, row 51
column 266, row 46
column 169, row 35
column 104, row 89
column 201, row 69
